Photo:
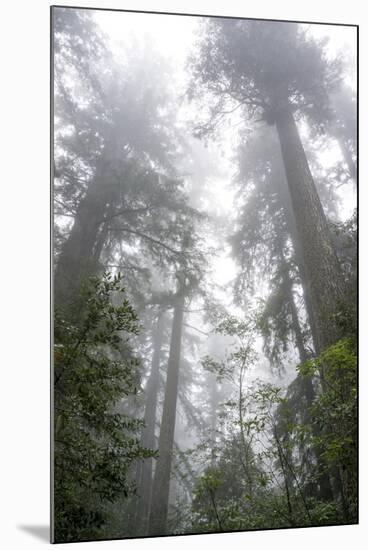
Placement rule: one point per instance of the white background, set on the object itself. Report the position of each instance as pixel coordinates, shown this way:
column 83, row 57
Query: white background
column 25, row 273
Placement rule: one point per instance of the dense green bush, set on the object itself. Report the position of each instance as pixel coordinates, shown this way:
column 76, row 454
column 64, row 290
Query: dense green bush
column 294, row 447
column 95, row 444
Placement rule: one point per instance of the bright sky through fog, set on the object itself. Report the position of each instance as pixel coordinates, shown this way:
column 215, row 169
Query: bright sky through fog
column 174, row 36
column 342, row 41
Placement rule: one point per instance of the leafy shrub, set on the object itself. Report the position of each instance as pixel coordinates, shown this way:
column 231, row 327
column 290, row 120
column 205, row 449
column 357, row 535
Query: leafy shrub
column 94, row 443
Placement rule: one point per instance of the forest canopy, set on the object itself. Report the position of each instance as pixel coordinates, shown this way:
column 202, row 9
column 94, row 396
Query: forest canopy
column 205, row 275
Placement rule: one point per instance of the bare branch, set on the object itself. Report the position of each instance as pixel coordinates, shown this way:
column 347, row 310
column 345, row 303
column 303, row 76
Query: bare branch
column 148, row 238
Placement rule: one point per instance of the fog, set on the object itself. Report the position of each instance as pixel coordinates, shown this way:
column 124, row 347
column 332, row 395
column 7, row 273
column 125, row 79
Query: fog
column 205, row 260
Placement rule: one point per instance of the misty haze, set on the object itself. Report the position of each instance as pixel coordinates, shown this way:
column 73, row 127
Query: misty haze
column 205, row 274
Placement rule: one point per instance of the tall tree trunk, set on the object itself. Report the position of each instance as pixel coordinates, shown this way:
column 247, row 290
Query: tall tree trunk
column 144, row 474
column 78, row 257
column 284, row 195
column 161, row 483
column 324, row 481
column 214, row 401
column 80, row 253
column 320, row 259
column 214, row 397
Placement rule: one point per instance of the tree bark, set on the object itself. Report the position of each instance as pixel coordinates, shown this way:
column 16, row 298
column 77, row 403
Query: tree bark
column 285, row 198
column 144, row 475
column 161, row 483
column 214, row 401
column 324, row 482
column 78, row 257
column 320, row 259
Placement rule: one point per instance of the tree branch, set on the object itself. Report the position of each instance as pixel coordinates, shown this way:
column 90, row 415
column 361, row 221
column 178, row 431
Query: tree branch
column 125, row 211
column 197, row 329
column 148, row 238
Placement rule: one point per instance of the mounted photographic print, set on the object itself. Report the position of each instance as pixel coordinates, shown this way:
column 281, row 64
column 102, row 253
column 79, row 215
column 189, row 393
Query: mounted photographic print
column 204, row 182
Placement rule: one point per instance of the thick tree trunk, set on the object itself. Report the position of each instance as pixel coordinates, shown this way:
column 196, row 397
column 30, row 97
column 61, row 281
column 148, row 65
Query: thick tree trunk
column 320, row 259
column 144, row 474
column 161, row 483
column 285, row 198
column 78, row 257
column 324, row 482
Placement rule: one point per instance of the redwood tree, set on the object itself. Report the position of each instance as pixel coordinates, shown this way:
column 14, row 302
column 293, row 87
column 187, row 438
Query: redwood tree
column 276, row 72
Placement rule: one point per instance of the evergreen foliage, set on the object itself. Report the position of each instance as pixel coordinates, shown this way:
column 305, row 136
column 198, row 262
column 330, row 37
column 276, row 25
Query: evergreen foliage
column 95, row 444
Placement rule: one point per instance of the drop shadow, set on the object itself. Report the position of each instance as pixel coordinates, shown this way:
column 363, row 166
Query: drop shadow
column 41, row 532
